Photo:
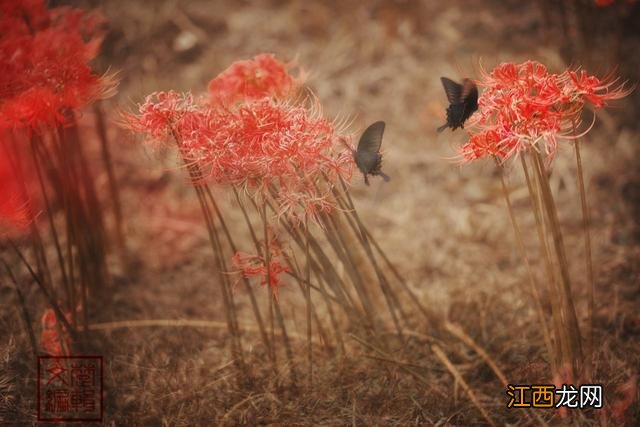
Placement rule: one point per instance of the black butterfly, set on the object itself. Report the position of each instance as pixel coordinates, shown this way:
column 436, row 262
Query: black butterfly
column 367, row 156
column 463, row 101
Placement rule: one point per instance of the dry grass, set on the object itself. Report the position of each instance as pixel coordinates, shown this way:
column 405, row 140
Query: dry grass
column 445, row 228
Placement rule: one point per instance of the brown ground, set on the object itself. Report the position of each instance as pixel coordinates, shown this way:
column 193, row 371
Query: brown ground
column 445, row 227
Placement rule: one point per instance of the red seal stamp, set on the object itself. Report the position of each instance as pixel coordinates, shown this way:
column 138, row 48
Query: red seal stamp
column 69, row 389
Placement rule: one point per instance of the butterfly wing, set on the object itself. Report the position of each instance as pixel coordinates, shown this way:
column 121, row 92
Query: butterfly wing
column 469, row 98
column 371, row 138
column 452, row 89
column 470, row 94
column 367, row 155
column 469, row 90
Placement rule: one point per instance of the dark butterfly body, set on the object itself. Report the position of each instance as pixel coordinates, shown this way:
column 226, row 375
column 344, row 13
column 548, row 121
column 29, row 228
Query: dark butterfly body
column 367, row 156
column 463, row 101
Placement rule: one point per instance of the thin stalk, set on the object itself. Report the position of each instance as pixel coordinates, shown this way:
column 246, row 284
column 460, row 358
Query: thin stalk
column 69, row 191
column 267, row 258
column 223, row 268
column 325, row 267
column 245, row 214
column 42, row 265
column 459, row 333
column 308, row 298
column 305, row 286
column 317, row 269
column 341, row 249
column 272, row 298
column 331, row 276
column 390, row 296
column 523, row 253
column 52, row 225
column 245, row 281
column 286, row 341
column 332, row 315
column 586, row 226
column 302, row 285
column 407, row 367
column 324, row 338
column 552, row 216
column 94, row 237
column 329, row 299
column 228, row 305
column 50, row 298
column 95, row 217
column 111, row 176
column 26, row 318
column 57, row 178
column 562, row 340
column 346, row 250
column 85, row 294
column 460, row 380
column 366, row 234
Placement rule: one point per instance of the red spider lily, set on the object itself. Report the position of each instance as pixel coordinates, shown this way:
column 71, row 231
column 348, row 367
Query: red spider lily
column 273, row 148
column 52, row 342
column 581, row 86
column 23, row 17
column 302, row 199
column 268, row 147
column 15, row 214
column 163, row 115
column 252, row 79
column 254, row 266
column 263, row 140
column 44, row 63
column 524, row 106
column 252, row 138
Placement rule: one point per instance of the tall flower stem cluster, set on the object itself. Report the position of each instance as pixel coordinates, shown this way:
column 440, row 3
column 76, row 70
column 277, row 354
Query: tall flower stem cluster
column 45, row 80
column 287, row 168
column 528, row 112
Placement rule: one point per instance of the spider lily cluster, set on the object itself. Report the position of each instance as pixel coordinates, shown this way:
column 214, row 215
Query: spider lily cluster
column 267, row 146
column 526, row 111
column 288, row 167
column 525, row 107
column 48, row 191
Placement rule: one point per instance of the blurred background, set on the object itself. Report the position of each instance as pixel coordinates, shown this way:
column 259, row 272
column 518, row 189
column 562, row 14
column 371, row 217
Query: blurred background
column 445, row 225
column 382, row 60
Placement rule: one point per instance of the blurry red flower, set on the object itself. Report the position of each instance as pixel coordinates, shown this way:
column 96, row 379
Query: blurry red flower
column 605, row 3
column 252, row 79
column 44, row 63
column 14, row 203
column 52, row 342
